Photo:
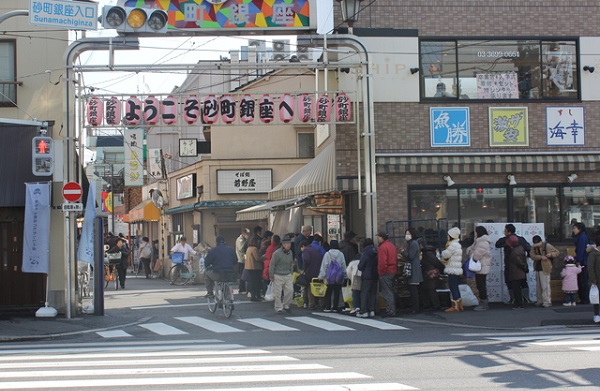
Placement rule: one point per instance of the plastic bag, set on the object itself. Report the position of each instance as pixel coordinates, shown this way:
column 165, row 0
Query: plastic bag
column 467, row 296
column 594, row 294
column 269, row 293
column 347, row 294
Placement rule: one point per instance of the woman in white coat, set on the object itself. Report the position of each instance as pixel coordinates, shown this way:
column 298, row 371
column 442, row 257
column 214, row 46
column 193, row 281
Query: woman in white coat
column 452, row 256
column 481, row 251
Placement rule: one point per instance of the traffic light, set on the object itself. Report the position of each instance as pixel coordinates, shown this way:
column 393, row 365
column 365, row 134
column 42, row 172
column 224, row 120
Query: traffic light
column 134, row 20
column 42, row 162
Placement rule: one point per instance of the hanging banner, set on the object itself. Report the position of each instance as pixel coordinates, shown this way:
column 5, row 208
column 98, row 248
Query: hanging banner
column 36, row 230
column 154, row 165
column 85, row 250
column 134, row 154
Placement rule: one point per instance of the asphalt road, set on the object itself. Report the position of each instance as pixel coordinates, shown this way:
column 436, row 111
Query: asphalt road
column 178, row 345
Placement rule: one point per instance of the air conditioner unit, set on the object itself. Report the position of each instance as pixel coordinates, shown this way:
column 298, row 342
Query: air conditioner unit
column 281, row 49
column 261, row 45
column 304, row 49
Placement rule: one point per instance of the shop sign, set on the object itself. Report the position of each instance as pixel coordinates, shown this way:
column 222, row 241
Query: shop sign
column 244, row 181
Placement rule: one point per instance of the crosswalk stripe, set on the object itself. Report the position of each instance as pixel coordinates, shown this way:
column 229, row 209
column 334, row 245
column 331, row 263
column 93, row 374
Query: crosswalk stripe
column 181, row 350
column 158, row 381
column 589, row 349
column 162, row 370
column 209, row 325
column 321, row 324
column 162, row 329
column 329, row 387
column 568, row 343
column 537, row 337
column 113, row 334
column 364, row 321
column 268, row 325
column 141, row 361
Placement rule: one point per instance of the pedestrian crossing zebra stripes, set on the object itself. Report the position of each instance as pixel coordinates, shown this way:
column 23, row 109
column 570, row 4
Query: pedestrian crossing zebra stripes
column 585, row 340
column 195, row 364
column 323, row 321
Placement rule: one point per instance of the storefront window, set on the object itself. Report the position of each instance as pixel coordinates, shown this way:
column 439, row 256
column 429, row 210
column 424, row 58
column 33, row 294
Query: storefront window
column 499, row 70
column 482, row 204
column 580, row 204
column 539, row 205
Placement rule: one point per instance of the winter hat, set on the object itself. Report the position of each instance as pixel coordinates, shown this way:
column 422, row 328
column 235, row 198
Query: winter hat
column 454, row 233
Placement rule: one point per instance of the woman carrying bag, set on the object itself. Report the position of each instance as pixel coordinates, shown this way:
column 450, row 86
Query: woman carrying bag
column 412, row 255
column 453, row 258
column 481, row 252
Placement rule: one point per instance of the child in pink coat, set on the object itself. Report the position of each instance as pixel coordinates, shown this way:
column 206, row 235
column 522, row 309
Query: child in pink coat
column 569, row 281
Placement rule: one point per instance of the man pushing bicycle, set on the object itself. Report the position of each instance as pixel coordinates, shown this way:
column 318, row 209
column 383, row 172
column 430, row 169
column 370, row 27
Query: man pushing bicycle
column 220, row 261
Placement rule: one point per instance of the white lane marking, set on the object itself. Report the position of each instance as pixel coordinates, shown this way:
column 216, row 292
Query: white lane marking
column 268, row 325
column 567, row 343
column 186, row 342
column 157, row 381
column 536, row 332
column 57, row 363
column 209, row 325
column 162, row 329
column 207, row 350
column 589, row 349
column 539, row 337
column 328, row 387
column 162, row 370
column 321, row 324
column 364, row 321
column 113, row 334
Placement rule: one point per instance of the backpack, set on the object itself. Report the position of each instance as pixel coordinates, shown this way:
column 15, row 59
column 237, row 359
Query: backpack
column 146, row 251
column 335, row 275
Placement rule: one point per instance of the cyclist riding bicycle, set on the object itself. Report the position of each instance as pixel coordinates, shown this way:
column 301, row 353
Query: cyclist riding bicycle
column 219, row 261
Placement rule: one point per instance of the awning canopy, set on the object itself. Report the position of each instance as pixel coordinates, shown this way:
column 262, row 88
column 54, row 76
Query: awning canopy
column 480, row 164
column 145, row 211
column 261, row 212
column 316, row 177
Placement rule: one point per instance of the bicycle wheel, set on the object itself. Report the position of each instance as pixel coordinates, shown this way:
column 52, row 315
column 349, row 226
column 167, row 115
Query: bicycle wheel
column 227, row 300
column 116, row 277
column 175, row 274
column 107, row 276
column 212, row 303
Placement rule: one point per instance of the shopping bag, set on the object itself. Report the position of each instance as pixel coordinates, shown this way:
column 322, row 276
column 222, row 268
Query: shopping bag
column 347, row 294
column 269, row 293
column 318, row 287
column 468, row 297
column 594, row 294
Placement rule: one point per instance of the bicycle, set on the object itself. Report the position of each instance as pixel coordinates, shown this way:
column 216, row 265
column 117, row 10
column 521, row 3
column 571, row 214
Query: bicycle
column 182, row 271
column 111, row 273
column 223, row 297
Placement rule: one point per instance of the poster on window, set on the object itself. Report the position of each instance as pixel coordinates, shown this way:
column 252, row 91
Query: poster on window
column 497, row 86
column 565, row 126
column 509, row 127
column 450, row 127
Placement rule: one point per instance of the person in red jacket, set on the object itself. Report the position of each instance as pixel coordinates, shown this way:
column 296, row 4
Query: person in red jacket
column 387, row 267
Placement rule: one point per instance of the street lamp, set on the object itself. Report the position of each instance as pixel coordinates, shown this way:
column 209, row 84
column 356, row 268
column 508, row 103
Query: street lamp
column 350, row 10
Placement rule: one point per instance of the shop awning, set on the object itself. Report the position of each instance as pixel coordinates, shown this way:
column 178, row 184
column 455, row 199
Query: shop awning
column 261, row 212
column 316, row 177
column 146, row 211
column 480, row 164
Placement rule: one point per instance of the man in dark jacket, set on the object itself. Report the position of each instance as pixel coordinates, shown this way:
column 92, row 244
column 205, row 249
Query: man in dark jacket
column 510, row 229
column 517, row 262
column 349, row 246
column 121, row 247
column 312, row 259
column 306, row 232
column 219, row 261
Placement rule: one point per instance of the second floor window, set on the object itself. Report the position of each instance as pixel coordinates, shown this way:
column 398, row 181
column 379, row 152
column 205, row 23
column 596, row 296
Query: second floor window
column 8, row 76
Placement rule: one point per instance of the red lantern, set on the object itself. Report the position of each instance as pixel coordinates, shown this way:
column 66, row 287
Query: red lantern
column 94, row 111
column 228, row 109
column 343, row 108
column 168, row 110
column 247, row 109
column 191, row 109
column 286, row 108
column 151, row 110
column 133, row 111
column 323, row 108
column 305, row 108
column 113, row 111
column 210, row 109
column 266, row 109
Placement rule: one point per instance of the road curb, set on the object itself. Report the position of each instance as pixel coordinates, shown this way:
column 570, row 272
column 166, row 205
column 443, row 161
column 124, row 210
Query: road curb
column 69, row 333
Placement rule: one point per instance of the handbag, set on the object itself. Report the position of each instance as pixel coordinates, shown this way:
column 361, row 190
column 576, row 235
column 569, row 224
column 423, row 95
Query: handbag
column 474, row 265
column 302, row 280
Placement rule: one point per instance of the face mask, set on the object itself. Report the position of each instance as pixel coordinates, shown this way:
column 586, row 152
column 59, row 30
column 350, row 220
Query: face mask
column 408, row 237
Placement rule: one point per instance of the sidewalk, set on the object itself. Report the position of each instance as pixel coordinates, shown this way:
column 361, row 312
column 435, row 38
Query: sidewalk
column 149, row 292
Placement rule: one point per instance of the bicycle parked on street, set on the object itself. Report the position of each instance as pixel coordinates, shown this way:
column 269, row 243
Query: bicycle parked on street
column 223, row 297
column 111, row 273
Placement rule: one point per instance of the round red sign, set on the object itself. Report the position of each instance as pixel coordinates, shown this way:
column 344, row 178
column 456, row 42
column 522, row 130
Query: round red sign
column 72, row 191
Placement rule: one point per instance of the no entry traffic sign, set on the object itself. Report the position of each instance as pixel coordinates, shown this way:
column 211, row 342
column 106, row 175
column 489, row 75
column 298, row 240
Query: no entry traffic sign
column 72, row 191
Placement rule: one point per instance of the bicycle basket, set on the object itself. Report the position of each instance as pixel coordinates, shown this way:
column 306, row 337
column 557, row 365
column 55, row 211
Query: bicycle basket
column 113, row 258
column 177, row 257
column 318, row 287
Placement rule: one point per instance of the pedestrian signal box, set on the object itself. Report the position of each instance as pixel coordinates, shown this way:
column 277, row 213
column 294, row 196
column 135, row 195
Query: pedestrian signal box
column 42, row 162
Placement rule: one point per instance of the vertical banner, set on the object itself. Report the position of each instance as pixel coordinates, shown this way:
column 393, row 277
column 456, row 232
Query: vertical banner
column 134, row 157
column 154, row 166
column 85, row 251
column 36, row 231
